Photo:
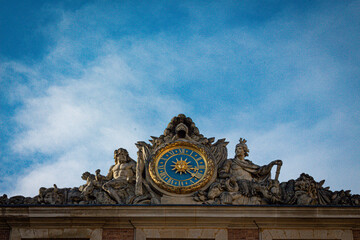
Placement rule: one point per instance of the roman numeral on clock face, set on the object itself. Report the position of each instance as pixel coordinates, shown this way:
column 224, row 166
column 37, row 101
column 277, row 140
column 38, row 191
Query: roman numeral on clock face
column 170, row 181
column 163, row 175
column 198, row 175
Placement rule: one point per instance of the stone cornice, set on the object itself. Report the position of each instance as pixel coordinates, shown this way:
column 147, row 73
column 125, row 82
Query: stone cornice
column 178, row 216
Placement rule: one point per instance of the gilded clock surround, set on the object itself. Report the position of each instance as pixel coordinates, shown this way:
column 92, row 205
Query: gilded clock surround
column 181, row 166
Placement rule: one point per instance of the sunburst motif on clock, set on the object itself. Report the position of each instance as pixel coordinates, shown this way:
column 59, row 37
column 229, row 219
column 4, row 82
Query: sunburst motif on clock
column 181, row 168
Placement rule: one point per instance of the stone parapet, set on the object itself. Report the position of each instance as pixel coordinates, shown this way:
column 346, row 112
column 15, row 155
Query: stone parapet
column 184, row 221
column 179, row 216
column 200, row 215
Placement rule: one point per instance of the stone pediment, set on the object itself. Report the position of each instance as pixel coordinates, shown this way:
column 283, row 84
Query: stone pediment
column 182, row 166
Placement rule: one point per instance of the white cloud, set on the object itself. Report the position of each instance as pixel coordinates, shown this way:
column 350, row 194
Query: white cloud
column 324, row 150
column 79, row 108
column 79, row 122
column 64, row 171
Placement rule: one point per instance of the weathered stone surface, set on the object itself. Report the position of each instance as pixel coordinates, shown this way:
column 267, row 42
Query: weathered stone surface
column 269, row 234
column 58, row 232
column 181, row 233
column 248, row 234
column 4, row 234
column 234, row 181
column 356, row 234
column 118, row 234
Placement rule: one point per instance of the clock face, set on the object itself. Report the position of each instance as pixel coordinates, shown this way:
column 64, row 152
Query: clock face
column 181, row 168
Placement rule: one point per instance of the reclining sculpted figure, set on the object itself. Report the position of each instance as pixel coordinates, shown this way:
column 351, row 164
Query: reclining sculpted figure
column 242, row 171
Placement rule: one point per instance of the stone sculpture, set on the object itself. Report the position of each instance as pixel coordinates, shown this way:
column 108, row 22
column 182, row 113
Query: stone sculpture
column 240, row 168
column 121, row 177
column 195, row 160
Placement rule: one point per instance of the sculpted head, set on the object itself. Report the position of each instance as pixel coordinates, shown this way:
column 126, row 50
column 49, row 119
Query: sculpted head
column 242, row 150
column 181, row 130
column 85, row 175
column 121, row 155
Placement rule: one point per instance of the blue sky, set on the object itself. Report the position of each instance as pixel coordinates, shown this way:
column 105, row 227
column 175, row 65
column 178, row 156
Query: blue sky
column 79, row 79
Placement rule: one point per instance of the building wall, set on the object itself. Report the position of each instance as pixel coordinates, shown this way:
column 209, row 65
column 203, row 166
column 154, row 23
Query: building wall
column 181, row 233
column 190, row 233
column 118, row 234
column 243, row 234
column 356, row 234
column 181, row 222
column 79, row 232
column 4, row 234
column 334, row 234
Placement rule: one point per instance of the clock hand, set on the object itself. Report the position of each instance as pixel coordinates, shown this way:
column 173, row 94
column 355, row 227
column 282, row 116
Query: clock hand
column 192, row 174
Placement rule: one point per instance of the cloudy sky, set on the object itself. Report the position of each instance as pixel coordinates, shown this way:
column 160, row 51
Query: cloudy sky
column 79, row 79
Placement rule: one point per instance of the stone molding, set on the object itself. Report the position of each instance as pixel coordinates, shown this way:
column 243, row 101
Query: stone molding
column 270, row 234
column 191, row 233
column 198, row 216
column 195, row 221
column 59, row 232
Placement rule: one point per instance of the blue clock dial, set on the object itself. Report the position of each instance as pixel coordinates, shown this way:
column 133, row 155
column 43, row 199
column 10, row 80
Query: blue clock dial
column 181, row 167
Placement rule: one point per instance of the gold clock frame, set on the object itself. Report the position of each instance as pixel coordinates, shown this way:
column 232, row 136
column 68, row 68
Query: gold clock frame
column 210, row 167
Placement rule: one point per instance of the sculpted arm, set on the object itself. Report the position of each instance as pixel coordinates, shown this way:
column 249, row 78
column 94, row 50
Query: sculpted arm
column 132, row 176
column 276, row 162
column 267, row 168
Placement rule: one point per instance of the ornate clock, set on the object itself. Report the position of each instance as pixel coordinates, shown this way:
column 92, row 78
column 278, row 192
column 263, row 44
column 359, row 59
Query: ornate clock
column 181, row 167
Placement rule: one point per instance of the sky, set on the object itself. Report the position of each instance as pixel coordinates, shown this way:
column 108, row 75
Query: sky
column 79, row 79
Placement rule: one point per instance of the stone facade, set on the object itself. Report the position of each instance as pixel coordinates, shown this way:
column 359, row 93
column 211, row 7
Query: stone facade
column 179, row 222
column 118, row 234
column 356, row 234
column 270, row 234
column 184, row 186
column 52, row 232
column 243, row 234
column 4, row 234
column 181, row 233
